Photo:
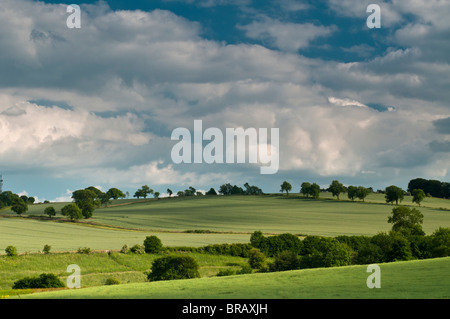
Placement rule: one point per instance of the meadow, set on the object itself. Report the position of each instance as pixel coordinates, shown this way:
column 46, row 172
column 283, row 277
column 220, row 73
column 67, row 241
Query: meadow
column 203, row 220
column 418, row 279
column 217, row 219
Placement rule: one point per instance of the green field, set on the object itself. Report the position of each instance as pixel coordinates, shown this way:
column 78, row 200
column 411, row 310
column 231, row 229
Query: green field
column 424, row 279
column 230, row 219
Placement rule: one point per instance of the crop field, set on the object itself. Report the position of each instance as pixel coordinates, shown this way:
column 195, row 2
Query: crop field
column 220, row 219
column 421, row 279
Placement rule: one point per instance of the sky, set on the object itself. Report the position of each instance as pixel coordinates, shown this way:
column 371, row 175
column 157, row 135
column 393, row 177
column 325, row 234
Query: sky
column 96, row 105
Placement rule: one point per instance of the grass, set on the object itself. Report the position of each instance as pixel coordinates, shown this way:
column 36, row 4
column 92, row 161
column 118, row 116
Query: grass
column 97, row 267
column 197, row 221
column 418, row 279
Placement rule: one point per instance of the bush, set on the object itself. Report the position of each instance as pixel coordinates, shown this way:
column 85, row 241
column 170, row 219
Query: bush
column 245, row 269
column 112, row 281
column 11, row 251
column 256, row 258
column 440, row 242
column 325, row 252
column 225, row 272
column 84, row 250
column 286, row 260
column 174, row 267
column 47, row 249
column 273, row 245
column 152, row 245
column 240, row 250
column 394, row 246
column 43, row 281
column 137, row 249
column 125, row 249
column 369, row 254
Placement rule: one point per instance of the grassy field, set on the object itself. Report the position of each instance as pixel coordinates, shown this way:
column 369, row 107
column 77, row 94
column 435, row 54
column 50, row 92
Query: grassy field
column 97, row 267
column 233, row 218
column 424, row 279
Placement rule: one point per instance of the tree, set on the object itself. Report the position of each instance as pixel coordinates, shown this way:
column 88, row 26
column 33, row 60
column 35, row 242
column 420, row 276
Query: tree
column 252, row 190
column 406, row 220
column 115, row 193
column 19, row 206
column 211, row 191
column 314, row 190
column 256, row 258
column 146, row 191
column 394, row 194
column 87, row 200
column 138, row 194
column 152, row 245
column 286, row 187
column 72, row 211
column 156, row 195
column 418, row 196
column 50, row 211
column 225, row 189
column 169, row 191
column 362, row 192
column 352, row 192
column 305, row 189
column 336, row 188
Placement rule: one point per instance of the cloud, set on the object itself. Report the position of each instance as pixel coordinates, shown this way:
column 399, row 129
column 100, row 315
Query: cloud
column 285, row 36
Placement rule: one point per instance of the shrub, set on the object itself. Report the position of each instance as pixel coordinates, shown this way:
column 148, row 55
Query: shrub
column 11, row 251
column 137, row 249
column 286, row 260
column 394, row 246
column 174, row 267
column 43, row 281
column 47, row 249
column 152, row 245
column 440, row 242
column 112, row 281
column 125, row 249
column 256, row 258
column 84, row 250
column 273, row 245
column 240, row 250
column 245, row 269
column 369, row 254
column 325, row 252
column 225, row 272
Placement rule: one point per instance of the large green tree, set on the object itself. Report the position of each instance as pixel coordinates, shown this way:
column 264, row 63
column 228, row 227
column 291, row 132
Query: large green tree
column 406, row 220
column 87, row 200
column 394, row 194
column 72, row 211
column 336, row 188
column 19, row 206
column 418, row 196
column 286, row 187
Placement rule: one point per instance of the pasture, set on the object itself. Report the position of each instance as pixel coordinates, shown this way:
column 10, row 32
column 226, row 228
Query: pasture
column 418, row 279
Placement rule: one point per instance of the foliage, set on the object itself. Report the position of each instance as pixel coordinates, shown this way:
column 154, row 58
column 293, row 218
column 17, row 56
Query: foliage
column 418, row 196
column 336, row 188
column 47, row 249
column 84, row 250
column 325, row 252
column 394, row 194
column 174, row 267
column 440, row 242
column 256, row 258
column 273, row 245
column 19, row 206
column 406, row 220
column 286, row 187
column 152, row 245
column 125, row 249
column 211, row 191
column 72, row 211
column 112, row 281
column 11, row 251
column 50, row 211
column 87, row 199
column 137, row 249
column 286, row 260
column 43, row 281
